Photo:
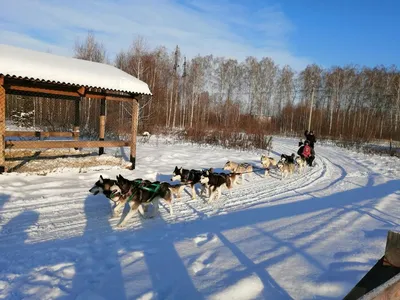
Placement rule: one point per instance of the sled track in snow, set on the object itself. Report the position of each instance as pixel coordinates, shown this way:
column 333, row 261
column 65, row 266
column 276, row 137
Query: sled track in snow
column 59, row 217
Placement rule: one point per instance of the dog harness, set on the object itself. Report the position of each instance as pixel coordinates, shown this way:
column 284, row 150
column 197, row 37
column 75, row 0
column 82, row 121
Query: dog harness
column 153, row 188
column 136, row 182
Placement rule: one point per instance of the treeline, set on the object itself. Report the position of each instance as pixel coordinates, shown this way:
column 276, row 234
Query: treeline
column 253, row 96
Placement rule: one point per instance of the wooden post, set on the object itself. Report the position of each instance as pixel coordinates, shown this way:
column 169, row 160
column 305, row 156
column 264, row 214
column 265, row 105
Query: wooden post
column 392, row 251
column 102, row 123
column 77, row 119
column 135, row 117
column 2, row 126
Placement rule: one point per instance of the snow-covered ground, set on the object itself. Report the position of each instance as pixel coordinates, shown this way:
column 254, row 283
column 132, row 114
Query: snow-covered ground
column 310, row 236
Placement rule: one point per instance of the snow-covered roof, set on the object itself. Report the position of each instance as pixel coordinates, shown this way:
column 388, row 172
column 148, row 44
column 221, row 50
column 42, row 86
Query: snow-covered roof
column 47, row 67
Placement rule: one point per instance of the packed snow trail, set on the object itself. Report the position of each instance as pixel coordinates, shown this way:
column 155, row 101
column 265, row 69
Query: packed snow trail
column 313, row 235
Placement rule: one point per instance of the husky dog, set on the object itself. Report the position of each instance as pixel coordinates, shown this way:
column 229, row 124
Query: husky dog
column 108, row 188
column 189, row 177
column 267, row 162
column 286, row 168
column 215, row 182
column 176, row 189
column 301, row 163
column 231, row 176
column 239, row 169
column 103, row 186
column 288, row 158
column 143, row 193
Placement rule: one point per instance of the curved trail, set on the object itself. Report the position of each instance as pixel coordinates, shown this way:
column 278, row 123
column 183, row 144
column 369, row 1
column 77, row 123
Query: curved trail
column 59, row 214
column 310, row 235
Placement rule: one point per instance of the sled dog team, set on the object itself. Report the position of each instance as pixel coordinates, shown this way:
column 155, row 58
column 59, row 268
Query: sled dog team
column 144, row 192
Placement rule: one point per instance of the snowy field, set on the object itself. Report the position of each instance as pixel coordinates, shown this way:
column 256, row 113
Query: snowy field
column 312, row 236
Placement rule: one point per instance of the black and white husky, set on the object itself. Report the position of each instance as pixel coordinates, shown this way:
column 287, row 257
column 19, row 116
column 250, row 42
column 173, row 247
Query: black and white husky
column 144, row 193
column 215, row 183
column 188, row 177
column 102, row 186
column 288, row 158
column 112, row 189
column 109, row 188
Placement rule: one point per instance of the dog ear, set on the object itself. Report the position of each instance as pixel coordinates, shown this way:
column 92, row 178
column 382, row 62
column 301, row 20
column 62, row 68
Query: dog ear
column 101, row 179
column 119, row 178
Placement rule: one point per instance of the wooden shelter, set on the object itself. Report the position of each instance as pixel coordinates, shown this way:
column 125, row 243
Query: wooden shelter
column 27, row 72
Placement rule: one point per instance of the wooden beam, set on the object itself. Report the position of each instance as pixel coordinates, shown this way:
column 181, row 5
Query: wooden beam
column 135, row 116
column 102, row 129
column 389, row 290
column 116, row 98
column 77, row 119
column 376, row 276
column 39, row 134
column 81, row 91
column 64, row 144
column 58, row 90
column 2, row 128
column 392, row 251
column 43, row 91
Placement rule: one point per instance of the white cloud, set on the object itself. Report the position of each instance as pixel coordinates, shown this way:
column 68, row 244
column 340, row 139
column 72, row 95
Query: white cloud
column 198, row 27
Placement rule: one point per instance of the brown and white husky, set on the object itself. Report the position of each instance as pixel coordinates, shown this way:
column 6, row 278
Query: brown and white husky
column 238, row 168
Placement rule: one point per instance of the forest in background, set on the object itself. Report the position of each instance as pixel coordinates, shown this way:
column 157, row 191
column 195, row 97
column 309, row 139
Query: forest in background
column 212, row 97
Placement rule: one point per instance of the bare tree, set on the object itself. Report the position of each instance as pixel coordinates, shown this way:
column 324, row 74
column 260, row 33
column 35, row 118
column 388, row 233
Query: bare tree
column 90, row 49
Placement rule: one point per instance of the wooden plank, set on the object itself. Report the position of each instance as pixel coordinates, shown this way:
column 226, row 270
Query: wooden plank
column 23, row 133
column 378, row 275
column 102, row 129
column 39, row 134
column 64, row 144
column 2, row 128
column 135, row 116
column 67, row 93
column 392, row 251
column 42, row 91
column 77, row 119
column 391, row 291
column 121, row 99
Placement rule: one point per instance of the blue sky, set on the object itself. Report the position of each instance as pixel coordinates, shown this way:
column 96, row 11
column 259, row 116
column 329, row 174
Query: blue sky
column 293, row 32
column 339, row 32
